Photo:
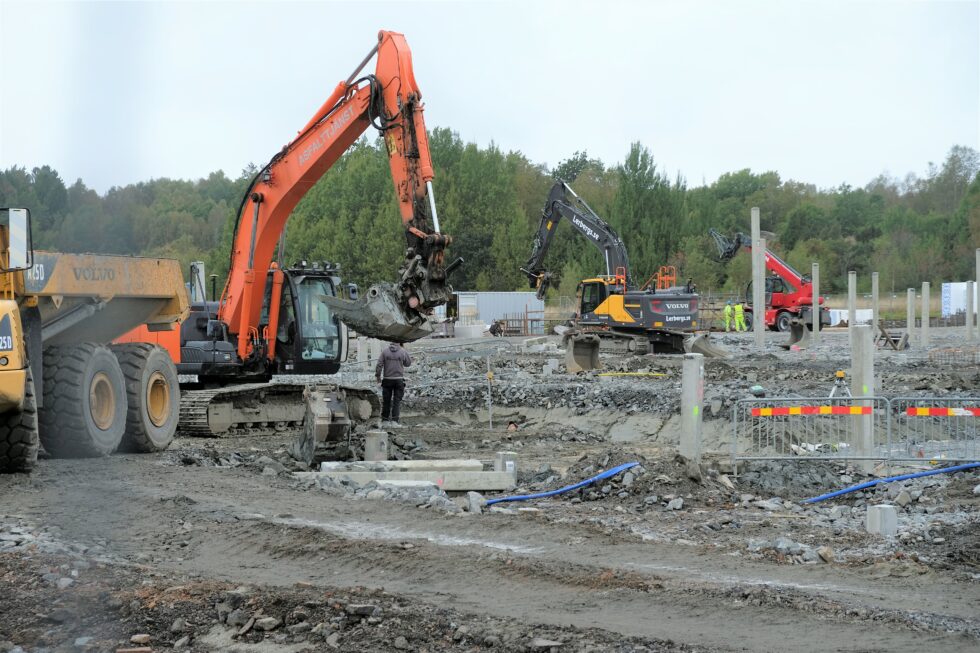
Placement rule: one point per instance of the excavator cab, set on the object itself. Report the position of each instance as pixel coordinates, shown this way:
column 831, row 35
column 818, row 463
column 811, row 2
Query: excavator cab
column 309, row 338
column 591, row 295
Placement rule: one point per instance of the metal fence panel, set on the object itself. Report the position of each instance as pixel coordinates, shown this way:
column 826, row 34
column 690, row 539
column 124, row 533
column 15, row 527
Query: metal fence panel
column 933, row 428
column 810, row 427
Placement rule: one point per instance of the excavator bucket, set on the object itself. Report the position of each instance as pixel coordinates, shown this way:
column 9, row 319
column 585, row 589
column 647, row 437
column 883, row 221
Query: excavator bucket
column 380, row 314
column 582, row 353
column 799, row 335
column 700, row 344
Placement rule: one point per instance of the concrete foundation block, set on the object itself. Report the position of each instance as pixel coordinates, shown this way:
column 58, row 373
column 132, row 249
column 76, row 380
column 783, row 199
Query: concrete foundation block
column 406, row 485
column 375, row 445
column 882, row 520
column 506, row 461
column 448, row 465
column 448, row 481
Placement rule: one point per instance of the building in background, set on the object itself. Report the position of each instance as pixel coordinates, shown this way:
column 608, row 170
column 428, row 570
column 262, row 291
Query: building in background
column 474, row 312
column 954, row 298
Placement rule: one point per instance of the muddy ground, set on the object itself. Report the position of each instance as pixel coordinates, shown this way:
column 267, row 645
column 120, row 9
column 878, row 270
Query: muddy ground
column 215, row 546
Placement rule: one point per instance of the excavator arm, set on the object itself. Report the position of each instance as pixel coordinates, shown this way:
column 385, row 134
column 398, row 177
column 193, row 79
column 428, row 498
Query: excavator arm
column 388, row 99
column 564, row 203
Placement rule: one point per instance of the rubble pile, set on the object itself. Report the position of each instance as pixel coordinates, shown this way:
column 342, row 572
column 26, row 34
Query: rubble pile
column 111, row 607
column 670, row 483
column 796, row 480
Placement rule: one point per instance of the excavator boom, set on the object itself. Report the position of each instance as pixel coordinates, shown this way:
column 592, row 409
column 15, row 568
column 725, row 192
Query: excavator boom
column 390, row 100
column 564, row 203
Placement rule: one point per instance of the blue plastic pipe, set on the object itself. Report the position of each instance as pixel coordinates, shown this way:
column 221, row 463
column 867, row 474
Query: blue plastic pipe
column 568, row 488
column 862, row 486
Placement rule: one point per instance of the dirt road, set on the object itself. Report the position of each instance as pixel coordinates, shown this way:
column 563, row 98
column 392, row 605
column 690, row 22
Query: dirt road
column 240, row 526
column 214, row 546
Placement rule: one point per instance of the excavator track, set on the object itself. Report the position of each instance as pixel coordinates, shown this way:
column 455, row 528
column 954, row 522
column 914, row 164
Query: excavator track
column 258, row 409
column 249, row 409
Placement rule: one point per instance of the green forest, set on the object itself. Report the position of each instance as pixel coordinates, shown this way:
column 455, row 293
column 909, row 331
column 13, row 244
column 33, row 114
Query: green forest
column 910, row 230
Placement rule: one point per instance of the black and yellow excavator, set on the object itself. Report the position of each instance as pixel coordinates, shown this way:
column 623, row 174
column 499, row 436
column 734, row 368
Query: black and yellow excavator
column 613, row 311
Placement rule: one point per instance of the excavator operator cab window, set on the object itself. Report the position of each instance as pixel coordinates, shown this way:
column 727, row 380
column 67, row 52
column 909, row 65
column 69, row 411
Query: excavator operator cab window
column 319, row 330
column 592, row 295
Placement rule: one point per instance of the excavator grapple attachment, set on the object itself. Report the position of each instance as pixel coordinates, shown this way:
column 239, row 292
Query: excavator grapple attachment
column 799, row 335
column 581, row 353
column 380, row 314
column 700, row 344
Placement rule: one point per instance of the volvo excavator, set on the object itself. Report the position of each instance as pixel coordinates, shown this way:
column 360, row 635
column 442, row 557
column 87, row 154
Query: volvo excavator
column 614, row 312
column 277, row 320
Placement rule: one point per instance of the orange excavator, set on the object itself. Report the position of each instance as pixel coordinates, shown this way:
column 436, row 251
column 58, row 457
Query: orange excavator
column 276, row 320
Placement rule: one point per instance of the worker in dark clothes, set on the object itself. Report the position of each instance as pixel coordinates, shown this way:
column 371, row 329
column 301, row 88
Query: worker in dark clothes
column 390, row 373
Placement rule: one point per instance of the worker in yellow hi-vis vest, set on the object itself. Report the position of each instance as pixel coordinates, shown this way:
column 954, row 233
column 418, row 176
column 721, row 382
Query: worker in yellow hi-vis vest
column 740, row 317
column 729, row 313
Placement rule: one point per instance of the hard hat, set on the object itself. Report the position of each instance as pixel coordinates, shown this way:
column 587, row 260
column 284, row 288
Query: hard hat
column 729, row 302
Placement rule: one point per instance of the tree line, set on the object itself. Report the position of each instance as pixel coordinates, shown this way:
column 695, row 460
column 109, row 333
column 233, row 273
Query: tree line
column 910, row 230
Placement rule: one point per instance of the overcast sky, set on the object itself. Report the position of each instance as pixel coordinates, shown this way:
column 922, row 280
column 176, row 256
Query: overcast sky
column 824, row 92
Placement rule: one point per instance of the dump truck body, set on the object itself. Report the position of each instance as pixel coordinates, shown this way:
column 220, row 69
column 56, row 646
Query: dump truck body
column 97, row 298
column 61, row 383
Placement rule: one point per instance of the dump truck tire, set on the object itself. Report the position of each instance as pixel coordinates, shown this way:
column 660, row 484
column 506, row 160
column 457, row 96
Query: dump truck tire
column 18, row 434
column 152, row 394
column 84, row 410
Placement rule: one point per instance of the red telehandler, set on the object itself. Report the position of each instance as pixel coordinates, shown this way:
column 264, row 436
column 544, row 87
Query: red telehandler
column 789, row 294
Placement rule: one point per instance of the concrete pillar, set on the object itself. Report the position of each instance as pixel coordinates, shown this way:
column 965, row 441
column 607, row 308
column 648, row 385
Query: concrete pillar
column 910, row 314
column 970, row 333
column 874, row 302
column 362, row 358
column 852, row 285
column 815, row 307
column 692, row 399
column 198, row 291
column 368, row 351
column 758, row 282
column 506, row 461
column 375, row 446
column 881, row 520
column 863, row 385
column 924, row 329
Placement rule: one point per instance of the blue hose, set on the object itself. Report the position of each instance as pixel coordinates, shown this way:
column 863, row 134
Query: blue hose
column 567, row 488
column 862, row 486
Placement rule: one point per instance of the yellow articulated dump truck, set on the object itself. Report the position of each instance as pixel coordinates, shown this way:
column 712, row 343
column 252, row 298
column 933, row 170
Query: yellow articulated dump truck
column 62, row 385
